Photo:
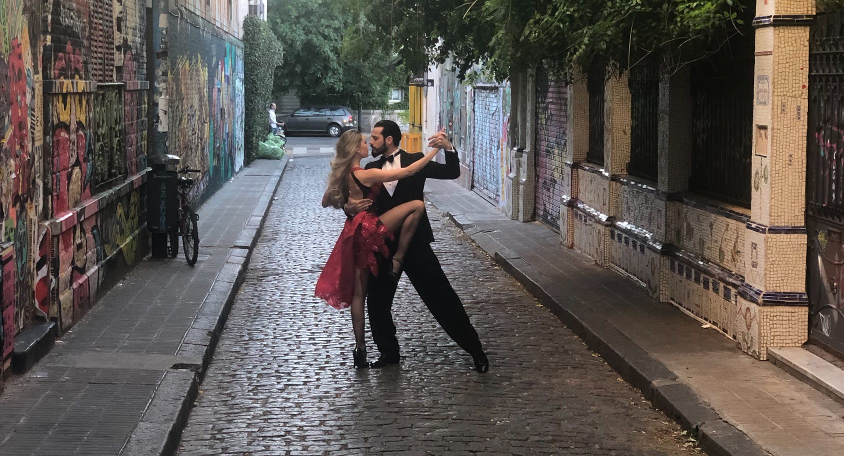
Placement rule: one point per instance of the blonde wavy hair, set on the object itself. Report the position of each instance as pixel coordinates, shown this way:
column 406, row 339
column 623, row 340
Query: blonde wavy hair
column 338, row 179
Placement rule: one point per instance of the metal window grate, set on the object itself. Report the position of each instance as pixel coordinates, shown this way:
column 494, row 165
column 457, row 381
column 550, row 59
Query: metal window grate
column 825, row 179
column 595, row 87
column 551, row 142
column 722, row 126
column 644, row 112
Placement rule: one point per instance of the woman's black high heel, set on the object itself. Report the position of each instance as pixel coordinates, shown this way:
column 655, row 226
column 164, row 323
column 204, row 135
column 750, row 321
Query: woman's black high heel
column 359, row 356
column 395, row 274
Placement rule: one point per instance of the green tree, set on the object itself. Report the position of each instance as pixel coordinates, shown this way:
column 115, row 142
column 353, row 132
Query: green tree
column 332, row 55
column 564, row 34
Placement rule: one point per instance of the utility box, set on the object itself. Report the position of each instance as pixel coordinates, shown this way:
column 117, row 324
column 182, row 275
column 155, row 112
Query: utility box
column 162, row 202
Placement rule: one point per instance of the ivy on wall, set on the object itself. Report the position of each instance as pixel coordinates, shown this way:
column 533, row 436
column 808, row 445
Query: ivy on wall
column 262, row 53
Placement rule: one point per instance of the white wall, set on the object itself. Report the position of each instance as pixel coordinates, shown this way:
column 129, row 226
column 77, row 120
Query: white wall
column 431, row 113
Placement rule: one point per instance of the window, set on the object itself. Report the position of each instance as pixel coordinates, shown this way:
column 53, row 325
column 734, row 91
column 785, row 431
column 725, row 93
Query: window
column 595, row 87
column 303, row 112
column 396, row 95
column 644, row 116
column 722, row 123
column 339, row 112
column 323, row 112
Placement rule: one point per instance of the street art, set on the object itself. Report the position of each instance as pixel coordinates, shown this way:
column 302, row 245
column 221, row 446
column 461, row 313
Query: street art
column 7, row 260
column 42, row 276
column 84, row 252
column 551, row 143
column 109, row 155
column 204, row 94
column 72, row 149
column 20, row 150
column 134, row 118
column 73, row 144
column 190, row 113
column 60, row 142
column 487, row 177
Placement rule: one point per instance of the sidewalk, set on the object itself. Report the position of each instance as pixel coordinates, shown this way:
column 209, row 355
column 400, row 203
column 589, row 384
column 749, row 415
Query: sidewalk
column 122, row 381
column 739, row 406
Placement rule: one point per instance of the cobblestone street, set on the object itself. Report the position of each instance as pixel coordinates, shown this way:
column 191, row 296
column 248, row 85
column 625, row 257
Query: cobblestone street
column 282, row 382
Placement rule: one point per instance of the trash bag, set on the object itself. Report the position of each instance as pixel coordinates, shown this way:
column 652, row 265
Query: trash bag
column 277, row 140
column 270, row 150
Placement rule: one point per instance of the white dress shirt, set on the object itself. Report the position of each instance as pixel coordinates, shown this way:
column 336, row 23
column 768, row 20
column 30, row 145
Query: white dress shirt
column 395, row 164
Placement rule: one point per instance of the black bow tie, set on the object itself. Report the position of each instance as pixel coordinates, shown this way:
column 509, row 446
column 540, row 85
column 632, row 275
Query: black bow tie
column 390, row 158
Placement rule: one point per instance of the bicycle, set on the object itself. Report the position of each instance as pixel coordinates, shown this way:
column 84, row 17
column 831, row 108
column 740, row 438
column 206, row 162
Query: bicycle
column 187, row 220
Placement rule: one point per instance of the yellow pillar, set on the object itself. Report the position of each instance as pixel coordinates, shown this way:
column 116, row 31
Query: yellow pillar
column 772, row 304
column 412, row 140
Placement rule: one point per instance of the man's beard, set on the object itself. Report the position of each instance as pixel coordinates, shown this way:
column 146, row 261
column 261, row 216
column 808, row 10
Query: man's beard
column 376, row 151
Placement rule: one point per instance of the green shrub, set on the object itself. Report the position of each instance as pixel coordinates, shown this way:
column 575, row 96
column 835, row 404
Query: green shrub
column 262, row 53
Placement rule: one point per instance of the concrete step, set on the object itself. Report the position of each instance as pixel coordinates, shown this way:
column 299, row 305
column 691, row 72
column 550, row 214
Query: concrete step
column 810, row 369
column 32, row 344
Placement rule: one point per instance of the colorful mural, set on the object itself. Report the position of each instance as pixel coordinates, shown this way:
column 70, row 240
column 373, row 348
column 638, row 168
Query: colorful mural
column 489, row 131
column 551, row 143
column 71, row 135
column 203, row 92
column 74, row 99
column 21, row 155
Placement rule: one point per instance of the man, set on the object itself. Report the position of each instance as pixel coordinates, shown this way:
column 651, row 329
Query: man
column 420, row 263
column 273, row 122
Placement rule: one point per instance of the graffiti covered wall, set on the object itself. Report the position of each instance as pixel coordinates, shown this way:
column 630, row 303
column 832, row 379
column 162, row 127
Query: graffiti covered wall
column 551, row 143
column 199, row 95
column 21, row 158
column 454, row 111
column 73, row 158
column 491, row 125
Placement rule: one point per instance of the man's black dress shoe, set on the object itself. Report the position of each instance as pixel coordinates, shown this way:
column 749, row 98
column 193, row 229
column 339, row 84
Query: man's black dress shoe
column 481, row 362
column 383, row 361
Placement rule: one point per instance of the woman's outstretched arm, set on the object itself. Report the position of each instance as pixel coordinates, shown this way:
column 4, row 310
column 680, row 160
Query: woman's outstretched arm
column 373, row 176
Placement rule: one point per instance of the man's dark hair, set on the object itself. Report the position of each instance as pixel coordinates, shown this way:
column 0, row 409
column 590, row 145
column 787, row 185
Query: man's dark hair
column 390, row 128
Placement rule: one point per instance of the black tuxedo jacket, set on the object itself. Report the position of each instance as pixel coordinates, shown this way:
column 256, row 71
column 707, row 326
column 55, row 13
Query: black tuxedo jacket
column 411, row 188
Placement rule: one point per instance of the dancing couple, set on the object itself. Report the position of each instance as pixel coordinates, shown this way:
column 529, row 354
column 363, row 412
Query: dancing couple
column 387, row 232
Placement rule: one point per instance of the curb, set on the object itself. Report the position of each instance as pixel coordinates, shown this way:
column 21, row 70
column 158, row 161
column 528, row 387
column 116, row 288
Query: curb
column 160, row 429
column 654, row 379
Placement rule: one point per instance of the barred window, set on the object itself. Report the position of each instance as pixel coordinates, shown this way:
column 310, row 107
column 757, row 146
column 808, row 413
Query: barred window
column 595, row 87
column 644, row 114
column 722, row 124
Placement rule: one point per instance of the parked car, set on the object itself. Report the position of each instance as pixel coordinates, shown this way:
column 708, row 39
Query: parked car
column 333, row 120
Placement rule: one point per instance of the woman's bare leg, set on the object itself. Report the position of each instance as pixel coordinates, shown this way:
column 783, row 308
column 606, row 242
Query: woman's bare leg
column 358, row 322
column 403, row 219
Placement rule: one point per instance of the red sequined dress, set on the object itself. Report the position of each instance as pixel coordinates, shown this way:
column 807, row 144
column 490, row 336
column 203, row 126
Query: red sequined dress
column 363, row 238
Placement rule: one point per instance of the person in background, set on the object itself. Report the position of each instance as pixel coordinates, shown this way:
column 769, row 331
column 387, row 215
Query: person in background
column 273, row 122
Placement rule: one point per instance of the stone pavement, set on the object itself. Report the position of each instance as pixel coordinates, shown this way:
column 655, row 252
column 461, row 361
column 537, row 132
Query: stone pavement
column 129, row 368
column 666, row 354
column 282, row 383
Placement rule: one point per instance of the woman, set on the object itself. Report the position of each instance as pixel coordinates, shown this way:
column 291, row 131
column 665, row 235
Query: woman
column 344, row 278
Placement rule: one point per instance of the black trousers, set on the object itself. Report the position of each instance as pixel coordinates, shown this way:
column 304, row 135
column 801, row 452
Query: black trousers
column 426, row 274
